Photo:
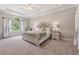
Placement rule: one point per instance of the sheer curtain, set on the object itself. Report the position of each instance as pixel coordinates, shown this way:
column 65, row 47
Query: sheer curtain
column 4, row 27
column 24, row 24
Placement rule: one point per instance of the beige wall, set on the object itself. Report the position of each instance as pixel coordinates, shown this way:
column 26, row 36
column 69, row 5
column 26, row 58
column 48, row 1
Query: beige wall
column 65, row 18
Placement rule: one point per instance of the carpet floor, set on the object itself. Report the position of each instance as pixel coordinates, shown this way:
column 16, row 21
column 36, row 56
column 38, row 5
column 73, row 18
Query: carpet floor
column 17, row 46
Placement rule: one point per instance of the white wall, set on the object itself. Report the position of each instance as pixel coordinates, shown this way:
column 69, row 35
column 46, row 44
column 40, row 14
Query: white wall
column 0, row 27
column 76, row 39
column 65, row 18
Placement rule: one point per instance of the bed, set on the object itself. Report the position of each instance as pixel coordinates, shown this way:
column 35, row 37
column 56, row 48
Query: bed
column 37, row 37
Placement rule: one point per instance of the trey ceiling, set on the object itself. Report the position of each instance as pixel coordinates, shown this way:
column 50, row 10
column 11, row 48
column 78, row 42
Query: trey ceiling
column 37, row 9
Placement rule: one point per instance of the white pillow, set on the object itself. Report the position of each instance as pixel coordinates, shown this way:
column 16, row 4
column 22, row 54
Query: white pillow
column 48, row 30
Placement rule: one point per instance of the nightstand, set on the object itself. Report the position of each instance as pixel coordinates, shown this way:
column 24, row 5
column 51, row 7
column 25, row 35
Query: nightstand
column 55, row 35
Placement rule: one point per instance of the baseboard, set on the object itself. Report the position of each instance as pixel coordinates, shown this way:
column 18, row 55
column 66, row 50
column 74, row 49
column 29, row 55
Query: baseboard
column 67, row 39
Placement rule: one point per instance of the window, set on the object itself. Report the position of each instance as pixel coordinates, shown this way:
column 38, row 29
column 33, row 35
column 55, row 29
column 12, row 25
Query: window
column 14, row 24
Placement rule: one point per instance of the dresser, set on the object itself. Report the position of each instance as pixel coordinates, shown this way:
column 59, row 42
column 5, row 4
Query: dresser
column 55, row 35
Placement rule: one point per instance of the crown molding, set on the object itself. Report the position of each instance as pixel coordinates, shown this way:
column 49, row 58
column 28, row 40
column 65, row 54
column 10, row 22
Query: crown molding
column 52, row 11
column 40, row 13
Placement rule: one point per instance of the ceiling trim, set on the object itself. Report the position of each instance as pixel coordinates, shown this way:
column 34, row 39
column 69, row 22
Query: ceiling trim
column 41, row 13
column 52, row 11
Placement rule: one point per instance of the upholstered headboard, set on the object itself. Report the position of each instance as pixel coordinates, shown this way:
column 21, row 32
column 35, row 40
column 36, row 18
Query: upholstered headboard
column 44, row 26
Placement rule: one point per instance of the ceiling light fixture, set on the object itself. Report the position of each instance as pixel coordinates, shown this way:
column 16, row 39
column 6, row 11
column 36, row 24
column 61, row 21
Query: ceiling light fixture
column 28, row 6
